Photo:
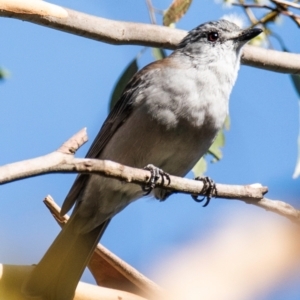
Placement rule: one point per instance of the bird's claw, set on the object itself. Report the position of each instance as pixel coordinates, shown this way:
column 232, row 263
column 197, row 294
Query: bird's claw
column 156, row 174
column 209, row 190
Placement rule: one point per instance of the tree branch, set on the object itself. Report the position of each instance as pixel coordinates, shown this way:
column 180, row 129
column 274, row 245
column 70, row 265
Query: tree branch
column 108, row 269
column 13, row 276
column 272, row 60
column 123, row 33
column 63, row 161
column 279, row 207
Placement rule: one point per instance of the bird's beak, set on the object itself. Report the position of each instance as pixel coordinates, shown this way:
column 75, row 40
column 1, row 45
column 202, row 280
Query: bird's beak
column 248, row 34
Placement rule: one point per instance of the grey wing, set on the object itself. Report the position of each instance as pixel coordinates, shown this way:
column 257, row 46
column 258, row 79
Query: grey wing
column 115, row 119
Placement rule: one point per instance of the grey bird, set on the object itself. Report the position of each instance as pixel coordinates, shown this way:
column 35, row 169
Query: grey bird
column 168, row 115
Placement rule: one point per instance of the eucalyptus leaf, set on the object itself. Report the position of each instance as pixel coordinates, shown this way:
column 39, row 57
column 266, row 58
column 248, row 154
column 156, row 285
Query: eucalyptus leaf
column 200, row 167
column 127, row 74
column 296, row 82
column 159, row 53
column 215, row 151
column 297, row 168
column 176, row 11
column 215, row 148
column 3, row 74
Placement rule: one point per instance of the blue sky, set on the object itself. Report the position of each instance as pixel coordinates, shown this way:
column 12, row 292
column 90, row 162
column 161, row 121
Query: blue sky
column 61, row 83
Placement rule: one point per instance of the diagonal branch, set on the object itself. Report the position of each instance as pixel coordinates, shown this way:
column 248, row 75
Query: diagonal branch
column 124, row 33
column 108, row 269
column 12, row 278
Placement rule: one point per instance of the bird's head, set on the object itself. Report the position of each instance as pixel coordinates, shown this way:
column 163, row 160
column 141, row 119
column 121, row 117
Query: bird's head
column 216, row 39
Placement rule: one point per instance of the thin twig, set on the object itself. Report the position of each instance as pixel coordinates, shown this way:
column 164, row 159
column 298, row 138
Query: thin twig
column 271, row 16
column 248, row 11
column 151, row 12
column 286, row 3
column 281, row 8
column 253, row 5
column 279, row 207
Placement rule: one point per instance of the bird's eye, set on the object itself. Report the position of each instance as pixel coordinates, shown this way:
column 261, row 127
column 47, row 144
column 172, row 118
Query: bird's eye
column 212, row 36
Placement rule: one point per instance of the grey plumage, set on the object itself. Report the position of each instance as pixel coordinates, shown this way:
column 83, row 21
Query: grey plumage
column 168, row 115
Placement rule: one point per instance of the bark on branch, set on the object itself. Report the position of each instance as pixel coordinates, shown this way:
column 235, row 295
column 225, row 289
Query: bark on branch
column 123, row 33
column 63, row 161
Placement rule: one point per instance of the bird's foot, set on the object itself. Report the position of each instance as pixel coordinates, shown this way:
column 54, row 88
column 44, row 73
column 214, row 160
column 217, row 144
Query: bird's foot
column 156, row 174
column 209, row 190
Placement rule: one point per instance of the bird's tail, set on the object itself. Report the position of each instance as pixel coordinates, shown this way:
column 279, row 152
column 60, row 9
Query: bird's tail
column 58, row 273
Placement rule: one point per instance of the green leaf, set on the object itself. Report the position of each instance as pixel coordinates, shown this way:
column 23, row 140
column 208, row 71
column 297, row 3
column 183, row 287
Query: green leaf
column 176, row 11
column 200, row 167
column 159, row 53
column 214, row 150
column 296, row 82
column 127, row 74
column 4, row 74
column 297, row 168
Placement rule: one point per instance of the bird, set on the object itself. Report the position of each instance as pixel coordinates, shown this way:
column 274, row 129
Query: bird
column 168, row 115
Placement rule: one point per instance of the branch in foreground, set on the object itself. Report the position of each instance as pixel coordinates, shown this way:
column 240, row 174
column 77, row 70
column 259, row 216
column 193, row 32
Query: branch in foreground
column 13, row 276
column 63, row 161
column 124, row 33
column 108, row 269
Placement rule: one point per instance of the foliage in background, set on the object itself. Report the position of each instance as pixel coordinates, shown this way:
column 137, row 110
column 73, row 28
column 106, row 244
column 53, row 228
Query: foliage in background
column 214, row 151
column 3, row 74
column 127, row 74
column 296, row 82
column 176, row 11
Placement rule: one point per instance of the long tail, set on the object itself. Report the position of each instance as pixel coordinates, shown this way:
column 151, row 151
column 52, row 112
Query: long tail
column 58, row 273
